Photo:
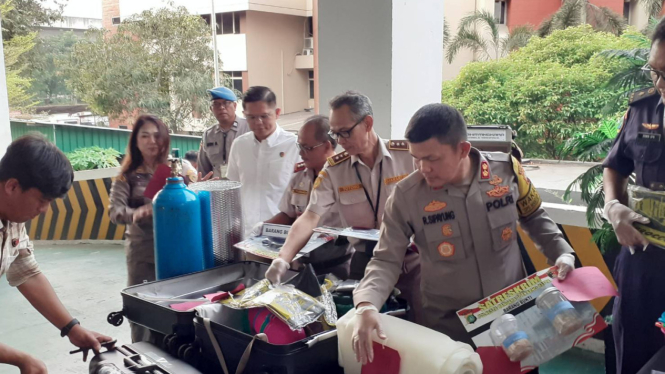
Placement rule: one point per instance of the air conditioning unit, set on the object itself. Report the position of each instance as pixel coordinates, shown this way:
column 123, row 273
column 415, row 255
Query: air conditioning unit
column 309, row 43
column 307, row 52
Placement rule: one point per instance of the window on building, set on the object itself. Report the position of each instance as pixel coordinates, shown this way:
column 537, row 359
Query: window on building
column 310, row 27
column 236, row 79
column 500, row 12
column 227, row 23
column 311, row 84
column 115, row 20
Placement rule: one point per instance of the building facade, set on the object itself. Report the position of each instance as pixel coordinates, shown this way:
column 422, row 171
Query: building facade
column 259, row 44
column 511, row 13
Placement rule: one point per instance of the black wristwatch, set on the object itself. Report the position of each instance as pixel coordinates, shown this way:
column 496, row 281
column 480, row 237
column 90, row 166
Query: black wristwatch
column 65, row 330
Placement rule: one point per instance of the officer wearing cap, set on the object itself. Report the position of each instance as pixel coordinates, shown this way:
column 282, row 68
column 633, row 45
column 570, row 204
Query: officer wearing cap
column 357, row 182
column 461, row 209
column 640, row 149
column 217, row 140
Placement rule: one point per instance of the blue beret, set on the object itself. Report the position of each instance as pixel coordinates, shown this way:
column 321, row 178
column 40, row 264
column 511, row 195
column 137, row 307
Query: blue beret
column 222, row 93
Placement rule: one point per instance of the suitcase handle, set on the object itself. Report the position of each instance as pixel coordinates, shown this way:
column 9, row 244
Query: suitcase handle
column 321, row 337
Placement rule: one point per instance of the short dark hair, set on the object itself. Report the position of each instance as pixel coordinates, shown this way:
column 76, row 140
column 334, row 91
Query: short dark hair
column 322, row 127
column 659, row 32
column 37, row 163
column 191, row 156
column 259, row 93
column 439, row 121
column 359, row 104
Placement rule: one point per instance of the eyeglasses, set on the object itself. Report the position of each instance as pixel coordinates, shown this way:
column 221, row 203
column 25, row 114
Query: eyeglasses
column 656, row 75
column 221, row 103
column 345, row 134
column 308, row 149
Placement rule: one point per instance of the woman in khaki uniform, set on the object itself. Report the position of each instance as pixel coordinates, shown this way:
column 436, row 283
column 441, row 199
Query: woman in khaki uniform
column 148, row 147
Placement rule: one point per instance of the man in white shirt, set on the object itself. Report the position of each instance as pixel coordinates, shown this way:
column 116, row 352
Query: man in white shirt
column 263, row 159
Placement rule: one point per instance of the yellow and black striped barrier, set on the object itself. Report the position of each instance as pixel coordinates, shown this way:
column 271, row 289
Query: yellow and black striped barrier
column 81, row 215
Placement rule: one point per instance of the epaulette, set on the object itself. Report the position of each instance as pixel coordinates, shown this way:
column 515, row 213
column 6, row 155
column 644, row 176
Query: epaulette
column 299, row 167
column 398, row 145
column 496, row 156
column 638, row 95
column 338, row 158
column 122, row 177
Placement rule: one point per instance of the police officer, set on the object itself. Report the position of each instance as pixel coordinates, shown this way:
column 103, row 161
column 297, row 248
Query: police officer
column 315, row 146
column 638, row 149
column 216, row 141
column 461, row 209
column 358, row 182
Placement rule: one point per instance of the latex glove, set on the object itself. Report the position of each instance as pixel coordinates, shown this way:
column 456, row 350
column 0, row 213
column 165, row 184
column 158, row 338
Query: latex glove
column 277, row 269
column 368, row 322
column 565, row 263
column 256, row 230
column 31, row 365
column 142, row 212
column 86, row 339
column 622, row 217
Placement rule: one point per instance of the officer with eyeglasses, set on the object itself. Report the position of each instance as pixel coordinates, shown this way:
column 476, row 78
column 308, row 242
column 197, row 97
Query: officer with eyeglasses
column 316, row 146
column 638, row 151
column 216, row 141
column 358, row 182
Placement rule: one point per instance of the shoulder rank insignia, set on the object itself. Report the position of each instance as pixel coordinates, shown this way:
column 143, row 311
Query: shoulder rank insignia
column 299, row 167
column 484, row 170
column 398, row 145
column 638, row 95
column 338, row 158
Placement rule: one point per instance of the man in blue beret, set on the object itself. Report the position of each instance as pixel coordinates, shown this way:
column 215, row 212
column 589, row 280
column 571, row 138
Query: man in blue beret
column 217, row 140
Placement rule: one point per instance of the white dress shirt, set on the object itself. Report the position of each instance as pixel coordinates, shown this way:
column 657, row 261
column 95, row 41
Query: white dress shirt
column 264, row 169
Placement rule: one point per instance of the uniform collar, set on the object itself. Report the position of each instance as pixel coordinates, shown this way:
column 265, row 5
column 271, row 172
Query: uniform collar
column 218, row 128
column 383, row 153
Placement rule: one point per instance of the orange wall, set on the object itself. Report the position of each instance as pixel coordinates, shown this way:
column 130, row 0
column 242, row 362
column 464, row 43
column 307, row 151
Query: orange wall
column 534, row 12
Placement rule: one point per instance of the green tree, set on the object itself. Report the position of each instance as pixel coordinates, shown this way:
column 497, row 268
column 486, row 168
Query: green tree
column 652, row 7
column 548, row 90
column 48, row 80
column 579, row 12
column 479, row 32
column 18, row 86
column 22, row 17
column 159, row 61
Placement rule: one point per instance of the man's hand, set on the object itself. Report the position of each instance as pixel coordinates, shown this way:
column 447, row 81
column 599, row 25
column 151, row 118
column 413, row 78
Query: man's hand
column 86, row 340
column 208, row 177
column 277, row 269
column 565, row 263
column 622, row 217
column 31, row 365
column 142, row 212
column 367, row 323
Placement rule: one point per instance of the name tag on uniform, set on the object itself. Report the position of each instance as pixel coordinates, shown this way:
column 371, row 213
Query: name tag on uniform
column 211, row 144
column 648, row 137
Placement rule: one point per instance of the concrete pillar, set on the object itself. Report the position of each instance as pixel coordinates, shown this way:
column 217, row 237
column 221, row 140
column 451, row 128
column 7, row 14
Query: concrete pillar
column 390, row 50
column 5, row 130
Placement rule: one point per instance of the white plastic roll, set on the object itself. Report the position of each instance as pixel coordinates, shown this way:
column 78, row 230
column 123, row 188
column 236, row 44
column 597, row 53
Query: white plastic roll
column 421, row 350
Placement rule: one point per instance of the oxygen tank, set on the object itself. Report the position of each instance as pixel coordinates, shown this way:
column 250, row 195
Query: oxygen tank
column 177, row 224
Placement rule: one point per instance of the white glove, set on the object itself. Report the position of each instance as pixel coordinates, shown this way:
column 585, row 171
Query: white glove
column 256, row 230
column 277, row 269
column 565, row 263
column 622, row 217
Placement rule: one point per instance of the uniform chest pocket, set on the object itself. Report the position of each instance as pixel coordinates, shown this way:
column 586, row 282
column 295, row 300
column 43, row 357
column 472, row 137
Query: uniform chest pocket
column 299, row 200
column 445, row 241
column 503, row 224
column 644, row 151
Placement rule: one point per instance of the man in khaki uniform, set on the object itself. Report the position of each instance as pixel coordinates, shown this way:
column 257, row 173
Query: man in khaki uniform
column 461, row 210
column 216, row 141
column 358, row 182
column 316, row 146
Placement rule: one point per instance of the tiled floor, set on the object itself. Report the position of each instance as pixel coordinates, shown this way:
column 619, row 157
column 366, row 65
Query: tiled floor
column 89, row 278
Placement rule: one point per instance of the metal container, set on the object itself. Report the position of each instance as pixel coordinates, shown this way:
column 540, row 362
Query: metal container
column 222, row 220
column 177, row 224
